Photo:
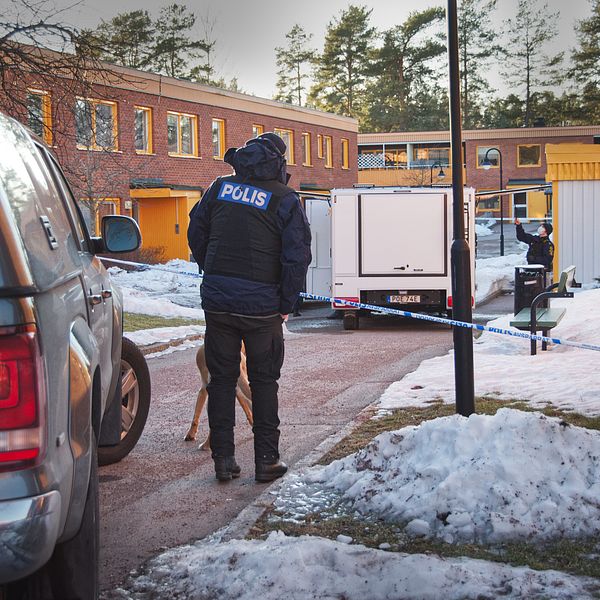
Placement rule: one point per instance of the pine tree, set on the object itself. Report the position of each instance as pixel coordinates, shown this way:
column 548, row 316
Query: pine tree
column 403, row 68
column 174, row 49
column 127, row 39
column 527, row 66
column 477, row 44
column 342, row 69
column 291, row 61
column 586, row 64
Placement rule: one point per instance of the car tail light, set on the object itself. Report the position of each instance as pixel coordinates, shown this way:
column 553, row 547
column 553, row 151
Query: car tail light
column 342, row 305
column 22, row 416
column 449, row 302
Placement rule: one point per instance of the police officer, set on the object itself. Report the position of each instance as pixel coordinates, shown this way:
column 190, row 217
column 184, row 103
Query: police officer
column 541, row 249
column 250, row 236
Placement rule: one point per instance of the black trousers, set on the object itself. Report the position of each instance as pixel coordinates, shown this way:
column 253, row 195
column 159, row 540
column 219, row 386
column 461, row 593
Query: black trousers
column 263, row 338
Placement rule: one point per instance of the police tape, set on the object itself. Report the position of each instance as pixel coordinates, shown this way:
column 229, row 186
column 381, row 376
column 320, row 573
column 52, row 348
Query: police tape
column 391, row 311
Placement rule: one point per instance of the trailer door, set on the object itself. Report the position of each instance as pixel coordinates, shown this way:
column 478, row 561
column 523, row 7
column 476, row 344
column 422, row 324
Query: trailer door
column 403, row 233
column 318, row 278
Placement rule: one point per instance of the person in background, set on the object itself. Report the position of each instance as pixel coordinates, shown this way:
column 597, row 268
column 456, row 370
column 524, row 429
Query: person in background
column 541, row 249
column 250, row 237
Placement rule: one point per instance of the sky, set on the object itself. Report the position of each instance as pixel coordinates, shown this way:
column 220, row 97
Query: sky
column 247, row 31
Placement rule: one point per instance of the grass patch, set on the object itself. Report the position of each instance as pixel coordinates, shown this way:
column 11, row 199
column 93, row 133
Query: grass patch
column 577, row 556
column 135, row 322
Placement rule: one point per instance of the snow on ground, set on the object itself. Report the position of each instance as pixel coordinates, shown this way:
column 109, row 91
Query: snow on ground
column 567, row 378
column 496, row 275
column 315, row 568
column 161, row 293
column 158, row 335
column 529, row 477
column 484, row 229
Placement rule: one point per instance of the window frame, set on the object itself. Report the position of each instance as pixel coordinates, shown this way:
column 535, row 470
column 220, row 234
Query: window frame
column 289, row 155
column 307, row 149
column 499, row 199
column 328, row 151
column 93, row 102
column 257, row 129
column 194, row 137
column 496, row 166
column 319, row 145
column 47, row 136
column 538, row 164
column 149, row 125
column 345, row 154
column 221, row 137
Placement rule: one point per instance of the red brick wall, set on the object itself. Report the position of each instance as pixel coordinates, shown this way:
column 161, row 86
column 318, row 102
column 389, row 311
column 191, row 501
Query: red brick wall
column 109, row 173
column 481, row 179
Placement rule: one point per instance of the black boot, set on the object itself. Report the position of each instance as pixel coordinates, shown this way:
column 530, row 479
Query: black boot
column 269, row 470
column 226, row 468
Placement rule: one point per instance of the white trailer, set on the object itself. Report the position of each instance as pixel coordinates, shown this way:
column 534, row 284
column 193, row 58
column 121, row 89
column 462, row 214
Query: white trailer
column 391, row 248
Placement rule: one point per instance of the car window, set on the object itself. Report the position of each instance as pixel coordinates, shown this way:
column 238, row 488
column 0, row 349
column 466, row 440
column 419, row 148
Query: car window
column 77, row 220
column 39, row 213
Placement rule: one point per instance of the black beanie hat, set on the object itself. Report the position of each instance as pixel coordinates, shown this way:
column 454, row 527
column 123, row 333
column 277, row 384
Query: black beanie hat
column 548, row 227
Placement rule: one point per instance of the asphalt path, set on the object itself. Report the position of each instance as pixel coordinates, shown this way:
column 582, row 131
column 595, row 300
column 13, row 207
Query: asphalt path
column 164, row 493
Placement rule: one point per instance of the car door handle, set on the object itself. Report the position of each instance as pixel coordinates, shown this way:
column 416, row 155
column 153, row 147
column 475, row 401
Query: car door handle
column 106, row 294
column 95, row 299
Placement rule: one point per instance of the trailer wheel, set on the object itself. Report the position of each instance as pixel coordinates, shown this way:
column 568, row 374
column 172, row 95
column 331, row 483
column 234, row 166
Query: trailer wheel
column 350, row 320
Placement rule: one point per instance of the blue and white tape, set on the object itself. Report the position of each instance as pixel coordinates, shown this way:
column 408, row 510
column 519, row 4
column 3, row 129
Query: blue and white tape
column 394, row 311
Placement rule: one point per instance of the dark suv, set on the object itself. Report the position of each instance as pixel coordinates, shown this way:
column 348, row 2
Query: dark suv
column 60, row 374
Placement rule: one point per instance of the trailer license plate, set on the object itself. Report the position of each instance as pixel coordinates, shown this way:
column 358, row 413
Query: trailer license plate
column 404, row 299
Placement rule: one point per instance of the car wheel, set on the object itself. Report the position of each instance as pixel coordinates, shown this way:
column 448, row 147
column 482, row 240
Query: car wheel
column 350, row 320
column 135, row 403
column 73, row 568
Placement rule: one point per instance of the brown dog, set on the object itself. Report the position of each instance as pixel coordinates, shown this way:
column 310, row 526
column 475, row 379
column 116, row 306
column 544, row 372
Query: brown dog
column 242, row 393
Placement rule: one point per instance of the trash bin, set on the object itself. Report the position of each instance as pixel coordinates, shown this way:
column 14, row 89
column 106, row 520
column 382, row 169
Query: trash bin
column 530, row 280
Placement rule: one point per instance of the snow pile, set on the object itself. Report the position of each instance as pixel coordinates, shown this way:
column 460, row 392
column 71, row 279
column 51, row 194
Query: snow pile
column 496, row 275
column 159, row 335
column 485, row 479
column 564, row 377
column 484, row 229
column 161, row 293
column 310, row 567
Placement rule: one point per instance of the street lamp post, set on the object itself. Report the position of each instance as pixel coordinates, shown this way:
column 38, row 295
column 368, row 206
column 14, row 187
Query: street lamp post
column 440, row 175
column 486, row 164
column 460, row 255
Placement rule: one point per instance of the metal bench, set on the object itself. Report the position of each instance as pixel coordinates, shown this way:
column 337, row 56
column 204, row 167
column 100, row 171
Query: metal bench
column 535, row 319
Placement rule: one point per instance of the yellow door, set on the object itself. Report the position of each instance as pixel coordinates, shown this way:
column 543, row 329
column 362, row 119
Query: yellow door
column 163, row 223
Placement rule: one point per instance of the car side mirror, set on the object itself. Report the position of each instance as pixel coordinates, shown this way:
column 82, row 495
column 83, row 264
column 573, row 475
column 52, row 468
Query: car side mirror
column 120, row 234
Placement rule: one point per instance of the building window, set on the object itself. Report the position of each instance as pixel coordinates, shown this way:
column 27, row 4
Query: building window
column 287, row 135
column 257, row 130
column 143, row 130
column 319, row 145
column 96, row 124
column 493, row 157
column 345, row 158
column 306, row 150
column 181, row 134
column 328, row 152
column 39, row 115
column 529, row 155
column 218, row 138
column 488, row 203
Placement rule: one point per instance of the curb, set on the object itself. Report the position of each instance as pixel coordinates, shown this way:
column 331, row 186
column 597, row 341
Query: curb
column 161, row 346
column 246, row 519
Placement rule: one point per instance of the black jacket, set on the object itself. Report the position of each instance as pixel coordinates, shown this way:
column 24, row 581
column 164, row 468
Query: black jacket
column 541, row 249
column 234, row 289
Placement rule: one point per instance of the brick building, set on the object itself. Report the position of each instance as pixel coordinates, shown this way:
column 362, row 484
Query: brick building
column 147, row 145
column 422, row 158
